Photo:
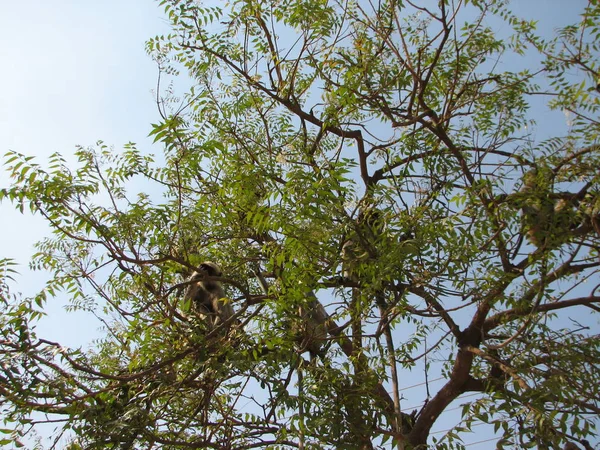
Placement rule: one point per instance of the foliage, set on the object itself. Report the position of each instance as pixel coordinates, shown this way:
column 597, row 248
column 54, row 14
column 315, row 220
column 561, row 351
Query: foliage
column 380, row 155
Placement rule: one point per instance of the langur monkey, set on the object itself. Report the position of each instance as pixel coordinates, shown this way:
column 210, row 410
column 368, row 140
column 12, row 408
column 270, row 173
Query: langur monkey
column 538, row 208
column 311, row 332
column 551, row 218
column 207, row 295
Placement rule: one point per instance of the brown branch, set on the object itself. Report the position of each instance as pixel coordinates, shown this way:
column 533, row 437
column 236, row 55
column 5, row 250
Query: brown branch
column 495, row 361
column 430, row 299
column 294, row 107
column 458, row 383
column 515, row 313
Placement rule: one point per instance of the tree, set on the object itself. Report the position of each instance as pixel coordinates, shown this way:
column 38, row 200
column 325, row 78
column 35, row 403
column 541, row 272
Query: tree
column 367, row 178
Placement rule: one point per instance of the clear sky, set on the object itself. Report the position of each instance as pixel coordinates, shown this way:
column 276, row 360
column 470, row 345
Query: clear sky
column 73, row 72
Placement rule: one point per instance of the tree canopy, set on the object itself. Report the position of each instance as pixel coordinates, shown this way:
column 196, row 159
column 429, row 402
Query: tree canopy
column 385, row 208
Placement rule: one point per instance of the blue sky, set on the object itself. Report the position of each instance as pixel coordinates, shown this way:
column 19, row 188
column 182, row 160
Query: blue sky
column 73, row 72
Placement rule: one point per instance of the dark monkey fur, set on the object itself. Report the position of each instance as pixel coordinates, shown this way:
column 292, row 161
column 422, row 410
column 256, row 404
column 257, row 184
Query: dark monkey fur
column 207, row 295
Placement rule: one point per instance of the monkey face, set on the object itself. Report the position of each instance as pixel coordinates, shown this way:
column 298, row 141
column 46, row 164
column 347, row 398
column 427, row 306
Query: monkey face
column 206, row 293
column 211, row 269
column 207, row 269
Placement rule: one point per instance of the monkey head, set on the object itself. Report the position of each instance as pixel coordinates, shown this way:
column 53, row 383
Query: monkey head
column 207, row 268
column 211, row 269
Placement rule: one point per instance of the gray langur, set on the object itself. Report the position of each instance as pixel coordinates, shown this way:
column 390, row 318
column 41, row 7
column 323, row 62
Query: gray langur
column 539, row 211
column 360, row 243
column 207, row 295
column 311, row 331
column 550, row 218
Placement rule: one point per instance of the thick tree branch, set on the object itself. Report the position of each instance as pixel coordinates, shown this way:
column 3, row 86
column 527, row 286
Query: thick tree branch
column 516, row 313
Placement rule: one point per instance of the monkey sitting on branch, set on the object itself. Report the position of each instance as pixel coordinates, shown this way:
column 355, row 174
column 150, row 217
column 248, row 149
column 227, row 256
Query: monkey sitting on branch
column 550, row 218
column 312, row 329
column 207, row 296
